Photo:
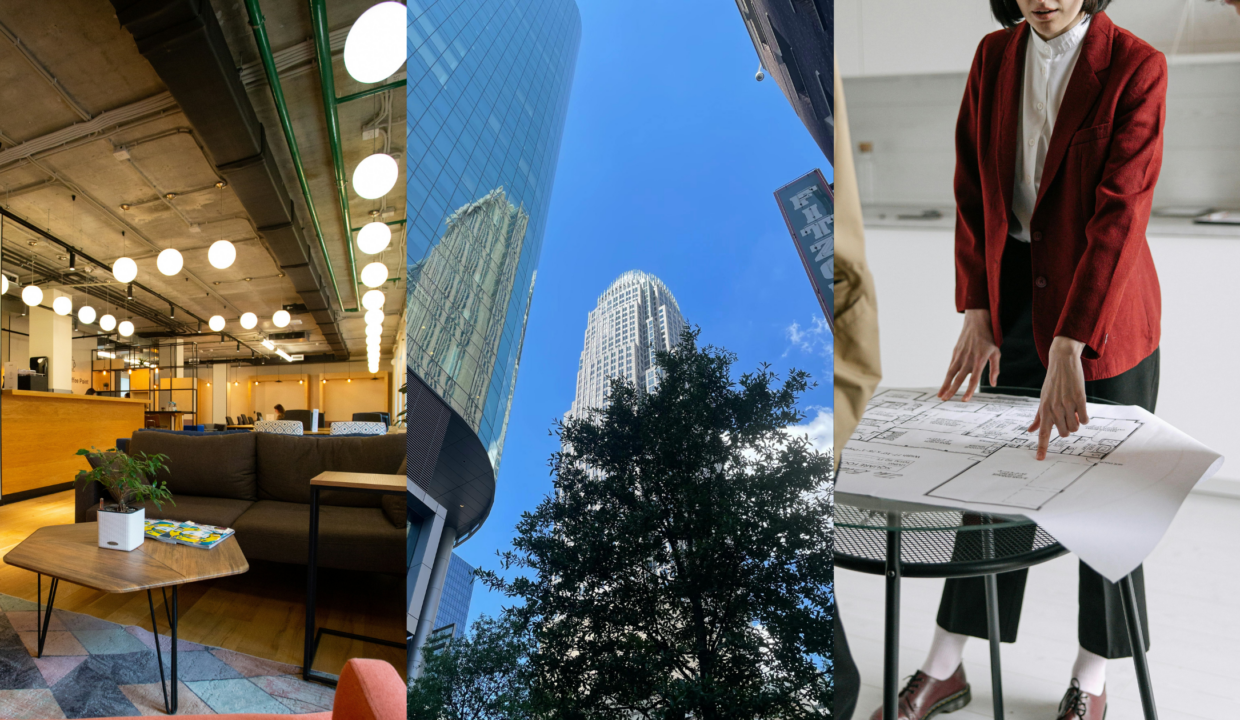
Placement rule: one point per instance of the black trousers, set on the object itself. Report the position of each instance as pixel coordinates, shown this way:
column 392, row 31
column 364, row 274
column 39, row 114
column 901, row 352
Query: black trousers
column 1100, row 621
column 846, row 677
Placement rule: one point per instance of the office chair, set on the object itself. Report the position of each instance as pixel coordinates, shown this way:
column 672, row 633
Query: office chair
column 373, row 417
column 229, row 421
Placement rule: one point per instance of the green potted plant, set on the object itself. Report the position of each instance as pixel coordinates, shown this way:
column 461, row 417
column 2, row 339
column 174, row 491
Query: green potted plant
column 126, row 478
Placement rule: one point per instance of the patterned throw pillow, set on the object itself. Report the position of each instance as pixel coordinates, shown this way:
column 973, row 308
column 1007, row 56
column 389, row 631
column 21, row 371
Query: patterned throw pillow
column 359, row 428
column 279, row 427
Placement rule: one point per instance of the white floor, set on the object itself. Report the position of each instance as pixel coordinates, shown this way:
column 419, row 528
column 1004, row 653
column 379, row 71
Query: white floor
column 1193, row 591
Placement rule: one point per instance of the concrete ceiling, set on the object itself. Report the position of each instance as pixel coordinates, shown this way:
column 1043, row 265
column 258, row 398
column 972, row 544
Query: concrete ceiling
column 74, row 90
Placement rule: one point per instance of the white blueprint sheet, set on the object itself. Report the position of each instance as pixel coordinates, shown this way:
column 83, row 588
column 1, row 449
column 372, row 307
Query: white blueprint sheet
column 1107, row 492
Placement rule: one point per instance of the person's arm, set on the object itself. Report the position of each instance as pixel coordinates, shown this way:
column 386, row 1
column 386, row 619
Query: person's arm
column 1113, row 235
column 976, row 345
column 972, row 292
column 1116, row 230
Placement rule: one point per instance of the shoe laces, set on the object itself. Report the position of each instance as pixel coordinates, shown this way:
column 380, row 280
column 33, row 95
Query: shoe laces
column 1074, row 701
column 915, row 681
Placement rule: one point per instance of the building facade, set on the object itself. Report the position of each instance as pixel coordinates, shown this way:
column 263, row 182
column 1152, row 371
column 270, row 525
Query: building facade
column 636, row 317
column 488, row 88
column 795, row 42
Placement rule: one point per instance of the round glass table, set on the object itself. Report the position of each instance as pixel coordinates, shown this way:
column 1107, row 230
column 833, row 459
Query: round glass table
column 898, row 539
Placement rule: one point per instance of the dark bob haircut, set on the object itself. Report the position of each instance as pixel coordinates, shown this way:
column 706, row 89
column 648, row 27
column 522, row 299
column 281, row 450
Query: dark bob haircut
column 1008, row 13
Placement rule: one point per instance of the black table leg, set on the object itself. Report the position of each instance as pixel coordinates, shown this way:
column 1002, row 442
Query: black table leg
column 43, row 620
column 1136, row 639
column 891, row 633
column 169, row 707
column 992, row 626
column 311, row 583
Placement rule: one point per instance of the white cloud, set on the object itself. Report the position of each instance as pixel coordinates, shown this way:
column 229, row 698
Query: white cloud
column 815, row 340
column 820, row 429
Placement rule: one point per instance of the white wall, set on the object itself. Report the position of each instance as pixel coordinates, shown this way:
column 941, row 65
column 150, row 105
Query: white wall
column 1199, row 387
column 899, row 37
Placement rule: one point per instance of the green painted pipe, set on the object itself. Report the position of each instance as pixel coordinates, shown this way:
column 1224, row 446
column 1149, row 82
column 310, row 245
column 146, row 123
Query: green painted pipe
column 323, row 50
column 388, row 222
column 372, row 91
column 277, row 94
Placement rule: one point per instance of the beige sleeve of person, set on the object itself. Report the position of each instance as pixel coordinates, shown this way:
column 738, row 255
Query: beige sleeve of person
column 857, row 368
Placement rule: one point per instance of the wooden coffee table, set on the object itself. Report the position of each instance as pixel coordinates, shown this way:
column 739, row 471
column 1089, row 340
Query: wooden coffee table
column 371, row 483
column 72, row 553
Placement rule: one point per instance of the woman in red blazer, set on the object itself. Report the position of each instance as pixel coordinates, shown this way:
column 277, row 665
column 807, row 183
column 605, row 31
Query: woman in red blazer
column 1059, row 144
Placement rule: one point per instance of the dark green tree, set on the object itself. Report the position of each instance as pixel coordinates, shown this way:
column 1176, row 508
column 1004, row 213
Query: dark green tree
column 482, row 676
column 681, row 567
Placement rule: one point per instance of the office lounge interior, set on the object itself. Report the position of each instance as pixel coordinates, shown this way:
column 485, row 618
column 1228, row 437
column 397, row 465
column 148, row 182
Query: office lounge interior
column 202, row 242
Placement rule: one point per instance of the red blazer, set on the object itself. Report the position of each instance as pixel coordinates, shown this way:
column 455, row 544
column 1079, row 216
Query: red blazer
column 1094, row 278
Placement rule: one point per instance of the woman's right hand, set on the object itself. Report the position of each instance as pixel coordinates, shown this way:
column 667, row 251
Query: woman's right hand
column 974, row 349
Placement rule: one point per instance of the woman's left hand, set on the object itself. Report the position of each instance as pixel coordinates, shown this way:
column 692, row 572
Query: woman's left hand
column 1063, row 394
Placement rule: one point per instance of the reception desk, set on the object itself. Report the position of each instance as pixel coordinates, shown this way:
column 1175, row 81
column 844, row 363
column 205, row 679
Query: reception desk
column 40, row 432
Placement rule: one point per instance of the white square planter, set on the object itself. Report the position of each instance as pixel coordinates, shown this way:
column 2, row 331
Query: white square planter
column 122, row 531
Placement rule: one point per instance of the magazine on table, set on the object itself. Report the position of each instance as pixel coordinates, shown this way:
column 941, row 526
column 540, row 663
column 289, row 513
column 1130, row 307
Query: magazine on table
column 187, row 533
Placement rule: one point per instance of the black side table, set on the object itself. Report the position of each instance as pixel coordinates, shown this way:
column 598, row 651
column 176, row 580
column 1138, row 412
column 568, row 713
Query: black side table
column 899, row 539
column 355, row 482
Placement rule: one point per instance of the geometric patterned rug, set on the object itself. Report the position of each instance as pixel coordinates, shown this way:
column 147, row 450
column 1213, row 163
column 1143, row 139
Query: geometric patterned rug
column 93, row 668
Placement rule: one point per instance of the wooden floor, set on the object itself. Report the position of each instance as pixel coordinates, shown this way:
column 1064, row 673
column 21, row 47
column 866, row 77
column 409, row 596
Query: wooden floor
column 259, row 613
column 1193, row 595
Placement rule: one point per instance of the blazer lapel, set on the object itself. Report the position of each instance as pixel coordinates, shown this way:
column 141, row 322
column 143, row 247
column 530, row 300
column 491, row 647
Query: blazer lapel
column 1011, row 82
column 1079, row 97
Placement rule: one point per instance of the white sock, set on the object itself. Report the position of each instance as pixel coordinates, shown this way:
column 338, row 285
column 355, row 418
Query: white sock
column 1090, row 671
column 946, row 652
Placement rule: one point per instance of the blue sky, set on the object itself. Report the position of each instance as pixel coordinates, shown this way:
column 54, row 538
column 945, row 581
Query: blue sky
column 670, row 158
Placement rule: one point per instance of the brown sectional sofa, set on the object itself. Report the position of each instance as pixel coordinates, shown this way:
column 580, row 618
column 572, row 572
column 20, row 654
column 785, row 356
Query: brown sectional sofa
column 259, row 484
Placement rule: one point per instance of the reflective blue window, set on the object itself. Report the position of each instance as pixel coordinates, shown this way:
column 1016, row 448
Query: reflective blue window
column 489, row 82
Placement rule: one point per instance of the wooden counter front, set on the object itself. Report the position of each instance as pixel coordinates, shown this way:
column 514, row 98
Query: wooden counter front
column 40, row 432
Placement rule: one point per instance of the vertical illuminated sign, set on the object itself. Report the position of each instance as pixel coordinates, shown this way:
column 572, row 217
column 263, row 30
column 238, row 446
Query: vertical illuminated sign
column 809, row 210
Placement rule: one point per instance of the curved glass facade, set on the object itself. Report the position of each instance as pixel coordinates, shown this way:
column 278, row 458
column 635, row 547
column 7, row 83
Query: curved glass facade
column 488, row 87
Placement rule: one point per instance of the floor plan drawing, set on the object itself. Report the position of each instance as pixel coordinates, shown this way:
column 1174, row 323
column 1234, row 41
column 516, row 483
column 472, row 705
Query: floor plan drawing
column 992, row 430
column 1107, row 492
column 981, row 427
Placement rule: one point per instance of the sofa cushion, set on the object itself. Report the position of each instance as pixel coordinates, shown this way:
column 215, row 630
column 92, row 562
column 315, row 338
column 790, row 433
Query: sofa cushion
column 191, row 508
column 350, row 538
column 211, row 465
column 287, row 464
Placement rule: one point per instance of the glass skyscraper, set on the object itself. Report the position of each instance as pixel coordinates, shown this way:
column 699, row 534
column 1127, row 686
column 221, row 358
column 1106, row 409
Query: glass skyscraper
column 458, row 590
column 487, row 93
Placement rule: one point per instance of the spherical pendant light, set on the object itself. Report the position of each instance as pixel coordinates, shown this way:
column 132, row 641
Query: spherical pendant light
column 374, row 237
column 249, row 320
column 281, row 318
column 222, row 254
column 86, row 314
column 125, row 328
column 62, row 305
column 4, row 284
column 374, row 330
column 373, row 300
column 374, row 274
column 124, row 270
column 374, row 317
column 375, row 46
column 375, row 176
column 216, row 323
column 32, row 295
column 170, row 262
column 107, row 323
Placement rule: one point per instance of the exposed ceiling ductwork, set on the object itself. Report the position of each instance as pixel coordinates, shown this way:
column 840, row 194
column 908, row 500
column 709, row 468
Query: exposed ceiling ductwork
column 183, row 42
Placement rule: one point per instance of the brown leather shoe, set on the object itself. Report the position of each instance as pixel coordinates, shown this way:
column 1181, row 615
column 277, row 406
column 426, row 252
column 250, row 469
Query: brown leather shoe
column 924, row 697
column 1080, row 705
